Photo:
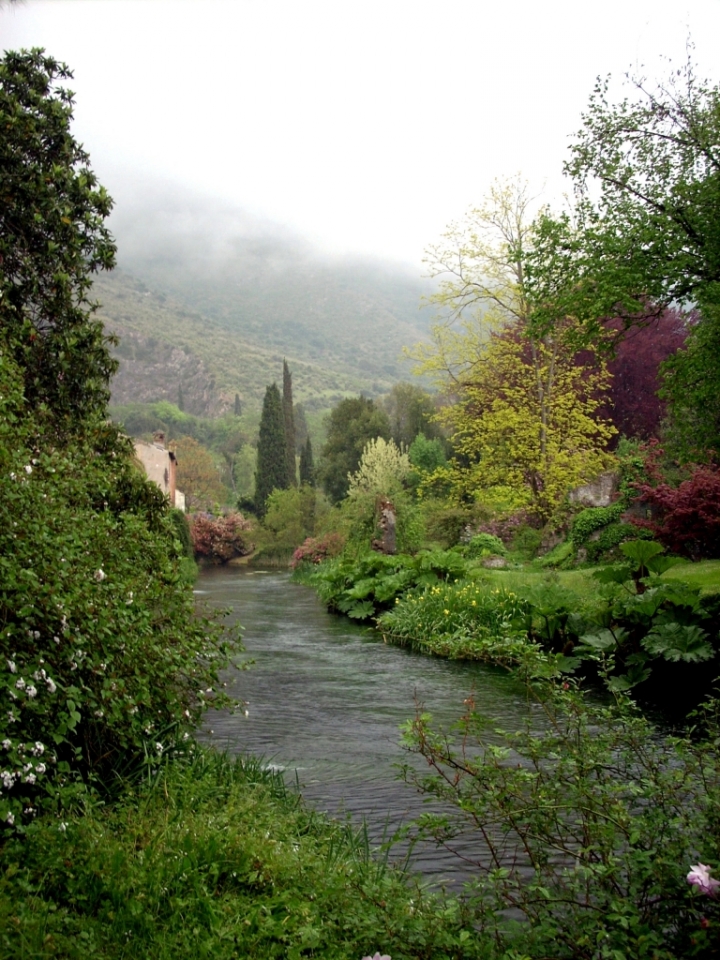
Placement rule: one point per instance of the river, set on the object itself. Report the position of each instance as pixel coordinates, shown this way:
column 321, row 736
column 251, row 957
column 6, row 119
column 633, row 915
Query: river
column 326, row 698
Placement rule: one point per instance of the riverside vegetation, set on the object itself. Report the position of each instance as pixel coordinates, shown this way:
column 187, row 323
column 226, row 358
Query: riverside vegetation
column 120, row 837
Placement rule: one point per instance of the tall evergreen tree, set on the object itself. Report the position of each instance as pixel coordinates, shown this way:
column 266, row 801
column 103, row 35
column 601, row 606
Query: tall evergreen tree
column 271, row 473
column 307, row 467
column 289, row 421
column 238, row 405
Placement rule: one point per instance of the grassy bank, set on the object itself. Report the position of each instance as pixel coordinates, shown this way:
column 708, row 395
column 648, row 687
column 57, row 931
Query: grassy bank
column 213, row 858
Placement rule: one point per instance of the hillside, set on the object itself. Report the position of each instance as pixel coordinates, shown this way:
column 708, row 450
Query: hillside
column 166, row 347
column 210, row 300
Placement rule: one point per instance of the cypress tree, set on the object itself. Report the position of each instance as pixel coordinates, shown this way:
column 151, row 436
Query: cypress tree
column 271, row 473
column 289, row 421
column 307, row 468
column 238, row 406
column 181, row 399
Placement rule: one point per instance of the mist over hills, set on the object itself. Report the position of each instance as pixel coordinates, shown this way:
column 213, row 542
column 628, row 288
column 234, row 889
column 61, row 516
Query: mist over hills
column 211, row 298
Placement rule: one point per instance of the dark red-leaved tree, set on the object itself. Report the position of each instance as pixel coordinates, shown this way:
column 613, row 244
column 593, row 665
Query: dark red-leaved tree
column 686, row 517
column 633, row 405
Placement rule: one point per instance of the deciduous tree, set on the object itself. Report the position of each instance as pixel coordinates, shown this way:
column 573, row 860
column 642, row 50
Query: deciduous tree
column 521, row 407
column 351, row 424
column 197, row 475
column 52, row 239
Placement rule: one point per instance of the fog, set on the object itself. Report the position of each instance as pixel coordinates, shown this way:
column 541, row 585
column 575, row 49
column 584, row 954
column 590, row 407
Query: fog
column 362, row 127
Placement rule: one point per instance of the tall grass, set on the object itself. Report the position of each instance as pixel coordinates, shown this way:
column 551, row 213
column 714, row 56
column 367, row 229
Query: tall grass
column 213, row 857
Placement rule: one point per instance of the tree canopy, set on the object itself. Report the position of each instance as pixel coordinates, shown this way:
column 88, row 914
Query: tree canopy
column 351, row 424
column 52, row 239
column 520, row 404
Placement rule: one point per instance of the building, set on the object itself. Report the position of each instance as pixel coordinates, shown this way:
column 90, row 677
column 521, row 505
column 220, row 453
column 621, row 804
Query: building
column 160, row 466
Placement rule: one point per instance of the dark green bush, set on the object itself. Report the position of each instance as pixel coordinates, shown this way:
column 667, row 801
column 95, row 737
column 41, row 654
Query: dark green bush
column 103, row 655
column 593, row 518
column 483, row 544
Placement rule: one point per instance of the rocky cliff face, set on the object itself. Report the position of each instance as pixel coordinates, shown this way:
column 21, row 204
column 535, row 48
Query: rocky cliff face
column 152, row 370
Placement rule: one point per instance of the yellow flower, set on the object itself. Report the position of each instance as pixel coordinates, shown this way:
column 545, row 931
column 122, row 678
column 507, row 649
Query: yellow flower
column 446, row 612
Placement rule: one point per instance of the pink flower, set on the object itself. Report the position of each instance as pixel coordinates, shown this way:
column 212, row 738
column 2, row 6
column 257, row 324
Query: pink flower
column 699, row 877
column 378, row 957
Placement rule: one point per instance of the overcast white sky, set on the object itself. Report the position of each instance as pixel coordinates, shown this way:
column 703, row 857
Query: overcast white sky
column 366, row 126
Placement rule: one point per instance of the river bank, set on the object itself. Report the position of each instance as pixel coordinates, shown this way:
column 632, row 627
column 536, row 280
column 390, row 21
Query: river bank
column 213, row 857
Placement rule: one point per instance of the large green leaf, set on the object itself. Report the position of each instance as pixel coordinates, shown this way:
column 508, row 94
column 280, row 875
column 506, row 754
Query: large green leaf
column 676, row 641
column 641, row 551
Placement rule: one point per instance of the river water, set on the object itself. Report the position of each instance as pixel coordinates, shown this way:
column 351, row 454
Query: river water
column 326, row 698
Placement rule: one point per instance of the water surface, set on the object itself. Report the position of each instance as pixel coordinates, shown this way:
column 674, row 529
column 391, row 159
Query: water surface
column 326, row 698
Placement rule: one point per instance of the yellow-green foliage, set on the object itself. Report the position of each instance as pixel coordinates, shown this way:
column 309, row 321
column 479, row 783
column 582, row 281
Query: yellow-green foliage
column 521, row 410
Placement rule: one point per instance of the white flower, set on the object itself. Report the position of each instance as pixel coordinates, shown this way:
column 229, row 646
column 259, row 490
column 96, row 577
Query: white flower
column 51, row 685
column 40, row 768
column 20, row 684
column 31, row 692
column 699, row 876
column 62, row 828
column 13, row 476
column 159, row 747
column 186, row 736
column 28, row 469
column 38, row 749
column 30, row 778
column 99, row 576
column 10, row 819
column 99, row 714
column 6, row 744
column 246, row 712
column 11, row 666
column 7, row 778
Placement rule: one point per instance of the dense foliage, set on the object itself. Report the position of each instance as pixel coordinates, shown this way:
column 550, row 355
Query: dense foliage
column 351, row 424
column 587, row 824
column 213, row 857
column 52, row 238
column 271, row 473
column 103, row 655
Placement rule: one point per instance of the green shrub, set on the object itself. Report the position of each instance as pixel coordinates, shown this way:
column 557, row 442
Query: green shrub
column 527, row 541
column 593, row 518
column 483, row 545
column 559, row 554
column 103, row 655
column 182, row 530
column 362, row 586
column 585, row 824
column 610, row 537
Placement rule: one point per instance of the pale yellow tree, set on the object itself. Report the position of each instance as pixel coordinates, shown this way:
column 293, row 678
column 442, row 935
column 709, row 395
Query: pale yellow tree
column 522, row 409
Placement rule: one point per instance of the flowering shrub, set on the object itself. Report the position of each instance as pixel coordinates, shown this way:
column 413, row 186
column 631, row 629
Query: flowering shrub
column 220, row 539
column 316, row 549
column 101, row 655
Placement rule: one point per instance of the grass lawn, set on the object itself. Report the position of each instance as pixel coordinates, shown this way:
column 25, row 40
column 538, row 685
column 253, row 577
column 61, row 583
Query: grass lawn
column 705, row 574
